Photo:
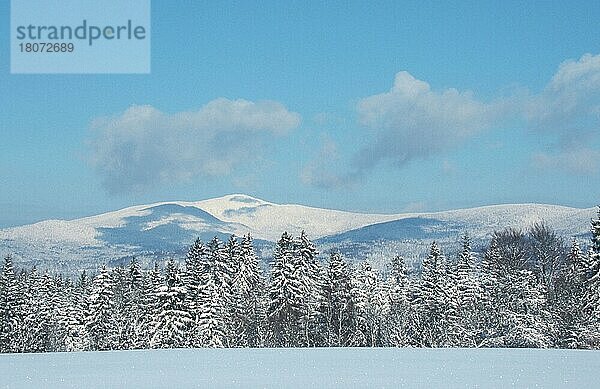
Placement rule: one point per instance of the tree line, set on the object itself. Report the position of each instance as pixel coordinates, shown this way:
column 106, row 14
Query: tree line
column 527, row 289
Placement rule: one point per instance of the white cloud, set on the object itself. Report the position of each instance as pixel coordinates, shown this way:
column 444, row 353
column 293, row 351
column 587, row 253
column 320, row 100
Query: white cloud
column 412, row 121
column 576, row 160
column 570, row 104
column 144, row 146
column 323, row 171
column 569, row 108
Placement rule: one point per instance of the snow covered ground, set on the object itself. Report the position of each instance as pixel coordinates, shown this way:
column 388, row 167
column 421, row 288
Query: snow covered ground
column 304, row 368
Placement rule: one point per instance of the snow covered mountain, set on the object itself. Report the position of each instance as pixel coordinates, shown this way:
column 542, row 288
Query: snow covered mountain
column 166, row 229
column 411, row 234
column 268, row 220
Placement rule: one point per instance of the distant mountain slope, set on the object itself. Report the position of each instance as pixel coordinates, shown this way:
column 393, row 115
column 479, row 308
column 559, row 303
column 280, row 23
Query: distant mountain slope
column 478, row 222
column 409, row 228
column 166, row 229
column 269, row 220
column 411, row 235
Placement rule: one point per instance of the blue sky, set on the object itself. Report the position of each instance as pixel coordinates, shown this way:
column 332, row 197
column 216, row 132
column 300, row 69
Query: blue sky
column 366, row 106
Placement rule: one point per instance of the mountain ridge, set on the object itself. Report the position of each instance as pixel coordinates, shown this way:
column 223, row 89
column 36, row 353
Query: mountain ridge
column 165, row 229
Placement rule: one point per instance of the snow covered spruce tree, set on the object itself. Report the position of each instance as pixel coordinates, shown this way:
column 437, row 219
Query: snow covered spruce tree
column 152, row 281
column 569, row 300
column 489, row 304
column 248, row 313
column 49, row 318
column 171, row 319
column 35, row 339
column 233, row 303
column 401, row 314
column 310, row 272
column 59, row 290
column 76, row 333
column 211, row 325
column 468, row 297
column 101, row 311
column 193, row 269
column 435, row 305
column 209, row 276
column 285, row 307
column 139, row 304
column 197, row 258
column 221, row 268
column 37, row 316
column 296, row 310
column 122, row 308
column 215, row 297
column 465, row 274
column 338, row 298
column 369, row 304
column 233, row 254
column 146, row 308
column 11, row 309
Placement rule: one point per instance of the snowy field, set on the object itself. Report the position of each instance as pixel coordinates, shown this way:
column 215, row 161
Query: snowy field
column 304, row 368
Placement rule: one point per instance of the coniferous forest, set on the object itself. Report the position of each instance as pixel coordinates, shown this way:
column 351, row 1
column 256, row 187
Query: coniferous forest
column 527, row 289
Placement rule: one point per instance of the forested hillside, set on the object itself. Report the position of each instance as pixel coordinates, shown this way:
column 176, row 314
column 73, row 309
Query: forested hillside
column 529, row 289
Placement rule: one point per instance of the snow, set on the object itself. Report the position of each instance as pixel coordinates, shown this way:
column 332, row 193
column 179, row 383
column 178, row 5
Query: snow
column 152, row 230
column 54, row 231
column 117, row 219
column 303, row 368
column 563, row 219
column 187, row 221
column 268, row 220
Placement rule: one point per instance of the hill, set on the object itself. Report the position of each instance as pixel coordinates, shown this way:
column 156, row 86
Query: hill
column 166, row 229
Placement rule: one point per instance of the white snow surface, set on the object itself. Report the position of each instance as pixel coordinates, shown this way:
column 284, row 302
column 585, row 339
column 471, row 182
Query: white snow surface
column 304, row 368
column 565, row 220
column 53, row 231
column 268, row 220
